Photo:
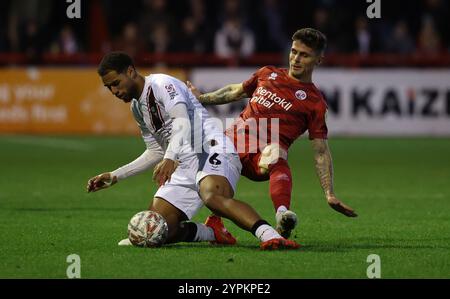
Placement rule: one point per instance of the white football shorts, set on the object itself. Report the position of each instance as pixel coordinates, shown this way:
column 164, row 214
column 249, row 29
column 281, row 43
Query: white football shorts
column 182, row 190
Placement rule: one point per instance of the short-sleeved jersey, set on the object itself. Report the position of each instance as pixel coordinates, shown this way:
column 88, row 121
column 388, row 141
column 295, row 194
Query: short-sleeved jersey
column 275, row 95
column 161, row 93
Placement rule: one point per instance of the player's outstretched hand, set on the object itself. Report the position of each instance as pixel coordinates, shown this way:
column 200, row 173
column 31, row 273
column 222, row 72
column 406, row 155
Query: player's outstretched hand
column 339, row 206
column 164, row 170
column 193, row 89
column 101, row 181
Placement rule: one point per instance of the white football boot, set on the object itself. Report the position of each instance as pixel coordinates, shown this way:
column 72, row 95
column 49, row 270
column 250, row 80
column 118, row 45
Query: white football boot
column 286, row 222
column 125, row 242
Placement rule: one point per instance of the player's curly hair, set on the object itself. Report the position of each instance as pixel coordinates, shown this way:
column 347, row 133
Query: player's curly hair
column 114, row 61
column 313, row 38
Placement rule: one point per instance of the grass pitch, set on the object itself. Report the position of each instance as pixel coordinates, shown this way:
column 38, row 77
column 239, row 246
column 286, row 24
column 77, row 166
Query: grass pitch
column 399, row 187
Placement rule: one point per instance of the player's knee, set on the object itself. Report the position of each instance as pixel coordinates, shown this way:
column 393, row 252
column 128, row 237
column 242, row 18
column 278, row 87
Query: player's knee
column 210, row 199
column 271, row 155
column 216, row 203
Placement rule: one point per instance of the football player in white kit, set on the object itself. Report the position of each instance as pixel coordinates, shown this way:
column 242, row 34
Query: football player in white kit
column 194, row 162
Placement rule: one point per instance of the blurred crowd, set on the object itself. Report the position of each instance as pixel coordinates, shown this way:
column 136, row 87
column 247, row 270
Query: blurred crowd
column 228, row 28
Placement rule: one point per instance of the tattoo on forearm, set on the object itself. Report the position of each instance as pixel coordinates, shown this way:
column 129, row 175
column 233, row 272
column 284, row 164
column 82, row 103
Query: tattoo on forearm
column 224, row 95
column 324, row 169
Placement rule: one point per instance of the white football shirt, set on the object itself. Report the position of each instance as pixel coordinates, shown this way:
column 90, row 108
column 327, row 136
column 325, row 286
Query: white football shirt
column 161, row 93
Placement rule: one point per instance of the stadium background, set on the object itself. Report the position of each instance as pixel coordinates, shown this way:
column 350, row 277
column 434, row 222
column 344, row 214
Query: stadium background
column 386, row 82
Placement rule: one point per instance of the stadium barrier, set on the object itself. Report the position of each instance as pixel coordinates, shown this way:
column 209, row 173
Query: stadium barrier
column 369, row 102
column 63, row 101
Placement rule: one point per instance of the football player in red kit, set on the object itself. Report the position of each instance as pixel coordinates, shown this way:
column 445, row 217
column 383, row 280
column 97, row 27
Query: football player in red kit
column 283, row 104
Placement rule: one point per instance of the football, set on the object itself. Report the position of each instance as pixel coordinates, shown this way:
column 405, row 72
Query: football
column 147, row 229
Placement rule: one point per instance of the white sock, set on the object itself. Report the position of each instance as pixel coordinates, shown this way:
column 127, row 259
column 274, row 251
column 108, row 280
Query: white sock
column 266, row 232
column 281, row 209
column 204, row 233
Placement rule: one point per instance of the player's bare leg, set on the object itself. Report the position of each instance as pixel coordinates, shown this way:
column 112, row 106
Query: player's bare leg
column 217, row 194
column 183, row 230
column 173, row 217
column 180, row 229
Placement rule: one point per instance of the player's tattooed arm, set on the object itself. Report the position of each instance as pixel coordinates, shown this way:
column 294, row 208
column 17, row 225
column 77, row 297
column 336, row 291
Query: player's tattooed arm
column 324, row 169
column 227, row 94
column 324, row 165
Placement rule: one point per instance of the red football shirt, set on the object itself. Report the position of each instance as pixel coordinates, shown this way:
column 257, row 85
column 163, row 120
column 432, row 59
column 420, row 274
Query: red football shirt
column 274, row 95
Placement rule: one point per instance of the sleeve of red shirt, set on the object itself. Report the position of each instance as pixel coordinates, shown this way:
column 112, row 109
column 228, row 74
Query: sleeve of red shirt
column 251, row 84
column 317, row 127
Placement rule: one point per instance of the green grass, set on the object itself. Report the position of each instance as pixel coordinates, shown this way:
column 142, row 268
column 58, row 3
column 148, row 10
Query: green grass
column 399, row 187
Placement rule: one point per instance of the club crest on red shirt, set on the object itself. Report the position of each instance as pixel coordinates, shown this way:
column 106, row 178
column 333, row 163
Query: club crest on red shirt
column 300, row 94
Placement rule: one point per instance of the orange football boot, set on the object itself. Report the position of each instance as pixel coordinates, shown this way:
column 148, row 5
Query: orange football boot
column 279, row 243
column 223, row 236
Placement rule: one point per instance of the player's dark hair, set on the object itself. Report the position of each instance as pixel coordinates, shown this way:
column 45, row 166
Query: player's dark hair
column 313, row 38
column 114, row 61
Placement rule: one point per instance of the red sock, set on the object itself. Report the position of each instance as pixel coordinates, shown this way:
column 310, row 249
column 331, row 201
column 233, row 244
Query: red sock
column 280, row 184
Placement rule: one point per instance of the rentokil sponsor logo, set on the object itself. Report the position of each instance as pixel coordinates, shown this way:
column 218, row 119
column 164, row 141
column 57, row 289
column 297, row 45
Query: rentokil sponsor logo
column 268, row 99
